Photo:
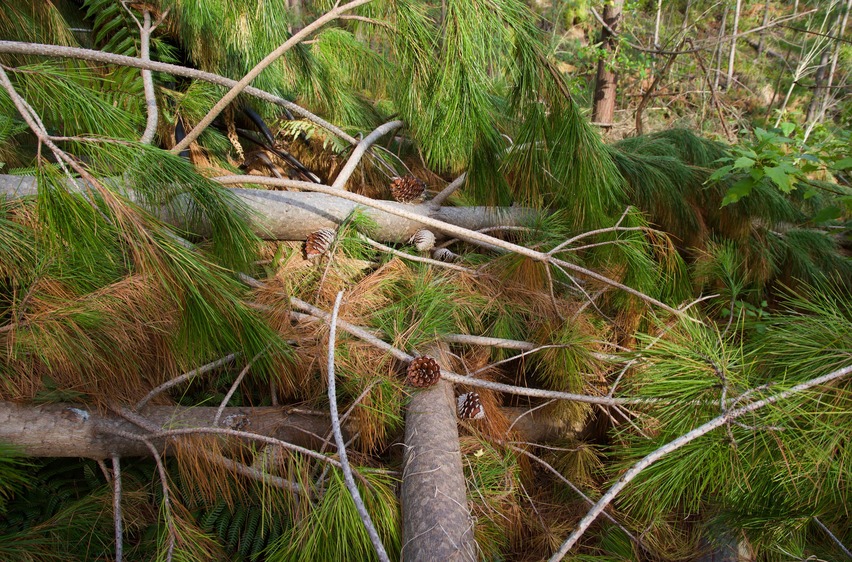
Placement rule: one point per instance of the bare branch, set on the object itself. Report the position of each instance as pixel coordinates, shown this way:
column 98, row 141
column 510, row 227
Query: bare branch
column 466, row 380
column 360, row 150
column 17, row 47
column 116, row 507
column 233, row 389
column 411, row 257
column 254, row 473
column 680, row 442
column 466, row 234
column 341, row 445
column 259, row 67
column 183, row 378
column 840, row 545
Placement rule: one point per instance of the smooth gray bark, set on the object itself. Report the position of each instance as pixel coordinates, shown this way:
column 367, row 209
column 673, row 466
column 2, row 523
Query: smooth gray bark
column 292, row 215
column 70, row 430
column 73, row 430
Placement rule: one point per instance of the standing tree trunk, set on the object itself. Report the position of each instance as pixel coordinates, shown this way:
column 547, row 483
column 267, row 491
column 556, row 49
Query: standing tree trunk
column 733, row 53
column 819, row 82
column 718, row 54
column 657, row 24
column 607, row 79
column 842, row 22
column 763, row 33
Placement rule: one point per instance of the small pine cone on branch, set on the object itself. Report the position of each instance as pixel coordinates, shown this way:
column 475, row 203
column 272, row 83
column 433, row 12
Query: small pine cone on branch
column 423, row 240
column 318, row 243
column 470, row 407
column 408, row 189
column 423, row 372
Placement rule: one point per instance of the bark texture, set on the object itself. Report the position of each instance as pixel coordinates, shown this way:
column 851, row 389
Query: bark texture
column 292, row 215
column 606, row 80
column 436, row 520
column 72, row 430
column 67, row 430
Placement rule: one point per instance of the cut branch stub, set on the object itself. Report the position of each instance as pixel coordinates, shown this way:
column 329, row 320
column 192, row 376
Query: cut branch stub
column 407, row 189
column 423, row 372
column 470, row 406
column 318, row 243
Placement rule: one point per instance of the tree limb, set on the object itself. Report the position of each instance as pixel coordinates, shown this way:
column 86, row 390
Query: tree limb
column 259, row 67
column 341, row 443
column 651, row 458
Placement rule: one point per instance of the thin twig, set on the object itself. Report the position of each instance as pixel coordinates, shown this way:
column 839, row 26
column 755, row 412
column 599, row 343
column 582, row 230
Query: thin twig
column 571, row 485
column 245, row 435
column 233, row 388
column 469, row 235
column 411, row 257
column 710, row 42
column 460, row 379
column 341, row 445
column 834, row 538
column 254, row 473
column 680, row 442
column 17, row 47
column 183, row 378
column 528, row 412
column 163, row 481
column 116, row 507
column 259, row 67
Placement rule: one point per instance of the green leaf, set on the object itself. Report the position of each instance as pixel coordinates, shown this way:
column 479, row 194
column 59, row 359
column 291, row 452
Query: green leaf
column 744, row 162
column 739, row 190
column 781, row 176
column 720, row 173
column 842, row 164
column 787, row 128
column 827, row 214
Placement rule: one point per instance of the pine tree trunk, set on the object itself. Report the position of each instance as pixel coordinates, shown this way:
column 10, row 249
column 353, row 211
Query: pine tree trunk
column 607, row 79
column 436, row 520
column 292, row 215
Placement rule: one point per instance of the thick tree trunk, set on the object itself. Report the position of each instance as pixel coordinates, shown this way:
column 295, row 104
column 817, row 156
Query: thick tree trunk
column 67, row 430
column 606, row 81
column 72, row 430
column 292, row 215
column 436, row 521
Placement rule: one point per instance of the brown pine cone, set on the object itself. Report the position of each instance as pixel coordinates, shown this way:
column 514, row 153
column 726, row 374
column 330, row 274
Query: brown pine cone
column 470, row 407
column 423, row 372
column 318, row 243
column 407, row 189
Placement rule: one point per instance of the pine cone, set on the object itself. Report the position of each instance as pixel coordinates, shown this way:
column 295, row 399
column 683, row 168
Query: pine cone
column 423, row 240
column 407, row 189
column 318, row 243
column 443, row 254
column 470, row 407
column 423, row 372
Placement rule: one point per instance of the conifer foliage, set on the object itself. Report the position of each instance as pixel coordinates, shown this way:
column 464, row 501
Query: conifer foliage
column 621, row 302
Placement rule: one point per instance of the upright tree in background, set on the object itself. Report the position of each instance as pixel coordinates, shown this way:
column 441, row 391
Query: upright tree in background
column 606, row 79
